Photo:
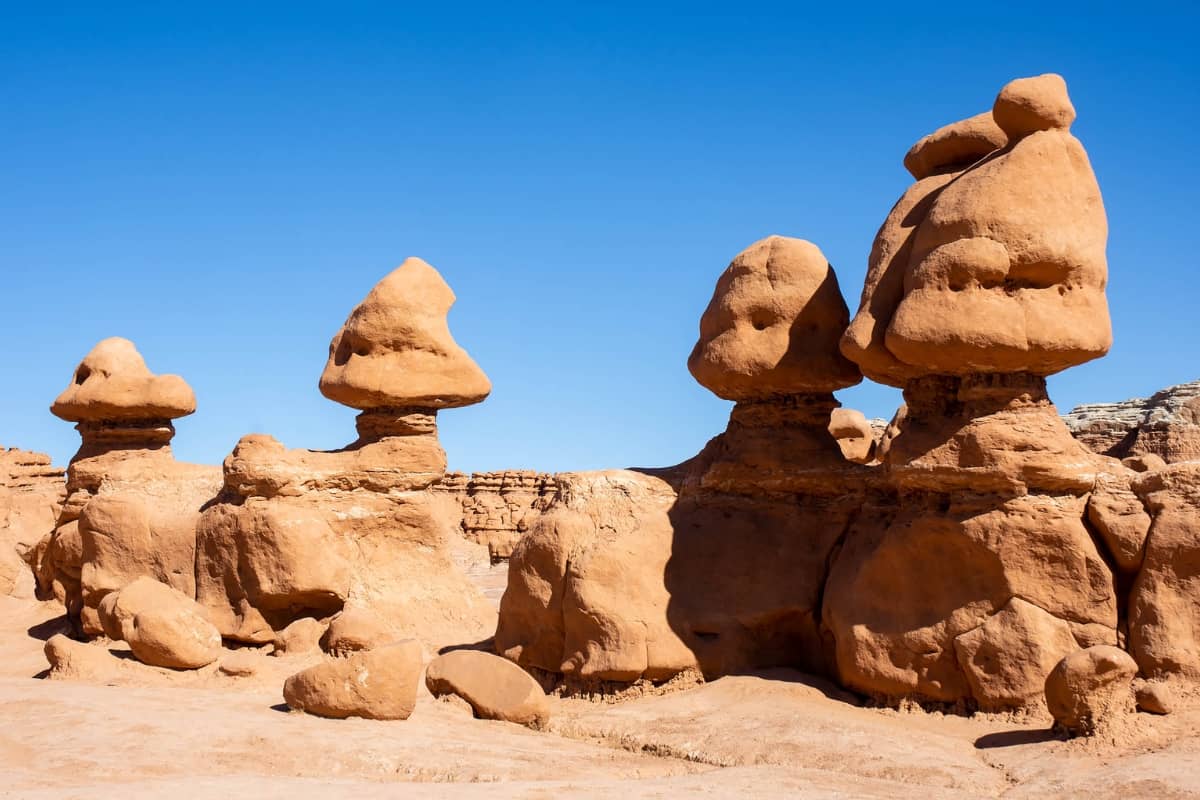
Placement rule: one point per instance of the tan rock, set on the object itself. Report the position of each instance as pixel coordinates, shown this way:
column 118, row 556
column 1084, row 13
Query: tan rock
column 32, row 491
column 112, row 383
column 356, row 629
column 302, row 636
column 1120, row 518
column 395, row 349
column 1029, row 105
column 373, row 684
column 240, row 663
column 72, row 660
column 1153, row 697
column 854, row 435
column 1091, row 688
column 163, row 627
column 495, row 687
column 1164, row 602
column 773, row 325
column 1007, row 658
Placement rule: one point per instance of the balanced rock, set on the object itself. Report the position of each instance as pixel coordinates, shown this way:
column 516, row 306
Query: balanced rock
column 934, row 161
column 495, row 687
column 1091, row 688
column 396, row 351
column 164, row 628
column 303, row 533
column 146, row 504
column 373, row 684
column 773, row 325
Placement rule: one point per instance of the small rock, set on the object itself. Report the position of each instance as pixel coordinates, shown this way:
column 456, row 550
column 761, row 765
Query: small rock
column 1091, row 687
column 240, row 663
column 302, row 636
column 356, row 629
column 495, row 687
column 74, row 660
column 374, row 684
column 1153, row 697
column 164, row 627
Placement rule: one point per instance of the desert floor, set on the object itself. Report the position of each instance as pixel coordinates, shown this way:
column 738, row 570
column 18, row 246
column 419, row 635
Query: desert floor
column 146, row 732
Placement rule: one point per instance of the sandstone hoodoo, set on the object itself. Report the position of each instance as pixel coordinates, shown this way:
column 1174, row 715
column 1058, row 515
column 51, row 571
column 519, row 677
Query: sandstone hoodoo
column 302, row 533
column 717, row 564
column 978, row 289
column 131, row 508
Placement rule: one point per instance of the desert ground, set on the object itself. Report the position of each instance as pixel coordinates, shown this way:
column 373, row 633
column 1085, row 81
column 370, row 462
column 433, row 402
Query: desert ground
column 780, row 733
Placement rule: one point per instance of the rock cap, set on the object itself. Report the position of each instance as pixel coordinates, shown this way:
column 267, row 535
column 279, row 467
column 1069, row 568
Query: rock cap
column 773, row 325
column 113, row 384
column 395, row 349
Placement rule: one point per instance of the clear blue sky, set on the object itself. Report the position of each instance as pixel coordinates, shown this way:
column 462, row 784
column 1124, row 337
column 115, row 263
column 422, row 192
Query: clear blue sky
column 222, row 183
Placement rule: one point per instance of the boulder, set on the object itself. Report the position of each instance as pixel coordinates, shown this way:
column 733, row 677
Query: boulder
column 1153, row 697
column 356, row 629
column 373, row 684
column 72, row 660
column 772, row 326
column 164, row 628
column 1090, row 689
column 302, row 636
column 495, row 687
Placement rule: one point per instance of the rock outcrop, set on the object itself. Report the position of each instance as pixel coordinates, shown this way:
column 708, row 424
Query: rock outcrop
column 32, row 491
column 301, row 533
column 1166, row 424
column 717, row 564
column 131, row 508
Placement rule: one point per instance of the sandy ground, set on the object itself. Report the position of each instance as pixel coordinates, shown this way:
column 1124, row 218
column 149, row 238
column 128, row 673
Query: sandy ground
column 143, row 732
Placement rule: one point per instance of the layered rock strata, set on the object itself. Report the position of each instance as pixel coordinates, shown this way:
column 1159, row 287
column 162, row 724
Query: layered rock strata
column 1166, row 424
column 499, row 507
column 32, row 491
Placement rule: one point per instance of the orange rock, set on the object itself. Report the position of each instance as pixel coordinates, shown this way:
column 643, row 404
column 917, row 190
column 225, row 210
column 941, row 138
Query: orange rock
column 495, row 687
column 373, row 684
column 773, row 325
column 1090, row 689
column 112, row 383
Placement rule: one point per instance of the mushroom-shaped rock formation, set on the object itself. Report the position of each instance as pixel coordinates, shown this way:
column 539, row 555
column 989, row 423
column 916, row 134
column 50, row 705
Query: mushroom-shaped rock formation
column 303, row 533
column 131, row 509
column 979, row 286
column 395, row 352
column 716, row 564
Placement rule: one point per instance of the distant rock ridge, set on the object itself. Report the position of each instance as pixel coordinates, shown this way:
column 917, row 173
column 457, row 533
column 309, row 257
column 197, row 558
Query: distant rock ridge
column 1166, row 424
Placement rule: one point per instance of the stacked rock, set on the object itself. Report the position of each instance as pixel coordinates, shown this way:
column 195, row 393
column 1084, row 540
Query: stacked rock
column 300, row 533
column 978, row 573
column 716, row 564
column 131, row 509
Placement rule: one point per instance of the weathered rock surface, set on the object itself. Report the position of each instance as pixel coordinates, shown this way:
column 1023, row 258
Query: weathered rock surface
column 1164, row 603
column 356, row 629
column 301, row 533
column 495, row 687
column 32, row 491
column 1090, row 689
column 395, row 349
column 1153, row 697
column 148, row 504
column 302, row 636
column 373, row 684
column 499, row 507
column 855, row 435
column 773, row 324
column 164, row 627
column 1166, row 425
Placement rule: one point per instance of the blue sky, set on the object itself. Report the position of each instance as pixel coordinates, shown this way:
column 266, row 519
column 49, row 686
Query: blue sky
column 222, row 183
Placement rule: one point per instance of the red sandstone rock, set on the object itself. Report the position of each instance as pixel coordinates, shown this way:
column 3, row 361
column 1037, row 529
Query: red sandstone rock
column 1090, row 689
